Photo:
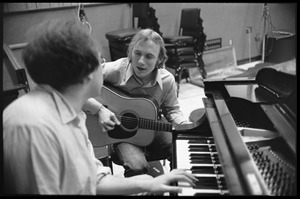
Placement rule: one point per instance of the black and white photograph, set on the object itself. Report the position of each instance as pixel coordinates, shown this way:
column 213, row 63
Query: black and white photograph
column 163, row 99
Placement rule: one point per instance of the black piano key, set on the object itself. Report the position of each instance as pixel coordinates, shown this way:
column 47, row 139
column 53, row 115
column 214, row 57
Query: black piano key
column 218, row 170
column 206, row 170
column 206, row 183
column 204, row 141
column 203, row 148
column 223, row 184
column 204, row 158
column 202, row 170
column 199, row 149
column 201, row 141
column 210, row 156
column 213, row 148
column 206, row 194
column 197, row 155
column 201, row 161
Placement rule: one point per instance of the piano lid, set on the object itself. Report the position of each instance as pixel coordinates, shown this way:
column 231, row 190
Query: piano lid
column 278, row 83
column 268, row 104
column 271, row 86
column 273, row 91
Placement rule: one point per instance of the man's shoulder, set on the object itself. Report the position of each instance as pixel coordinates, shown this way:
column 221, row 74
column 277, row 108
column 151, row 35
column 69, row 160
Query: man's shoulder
column 119, row 62
column 31, row 105
column 165, row 74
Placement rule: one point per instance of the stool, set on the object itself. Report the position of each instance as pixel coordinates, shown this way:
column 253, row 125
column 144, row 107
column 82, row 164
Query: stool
column 156, row 168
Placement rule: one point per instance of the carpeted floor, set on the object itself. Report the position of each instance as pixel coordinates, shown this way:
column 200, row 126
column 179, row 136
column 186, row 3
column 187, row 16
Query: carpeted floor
column 190, row 97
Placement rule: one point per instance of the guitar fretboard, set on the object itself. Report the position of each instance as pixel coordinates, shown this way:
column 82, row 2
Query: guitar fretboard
column 144, row 123
column 154, row 125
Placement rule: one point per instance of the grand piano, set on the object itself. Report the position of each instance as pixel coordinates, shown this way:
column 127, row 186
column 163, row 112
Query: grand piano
column 247, row 143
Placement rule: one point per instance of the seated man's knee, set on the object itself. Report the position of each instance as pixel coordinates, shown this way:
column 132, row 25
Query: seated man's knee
column 132, row 171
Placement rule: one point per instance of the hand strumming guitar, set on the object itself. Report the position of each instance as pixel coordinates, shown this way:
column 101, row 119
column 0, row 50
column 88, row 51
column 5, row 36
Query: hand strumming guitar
column 107, row 119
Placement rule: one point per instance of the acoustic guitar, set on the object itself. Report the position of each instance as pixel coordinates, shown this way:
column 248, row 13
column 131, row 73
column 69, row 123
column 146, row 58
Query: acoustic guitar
column 138, row 116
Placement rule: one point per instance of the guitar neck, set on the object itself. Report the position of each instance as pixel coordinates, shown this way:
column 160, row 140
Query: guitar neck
column 154, row 125
column 148, row 124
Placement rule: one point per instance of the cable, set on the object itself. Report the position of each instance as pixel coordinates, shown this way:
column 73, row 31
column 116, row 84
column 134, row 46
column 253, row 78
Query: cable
column 82, row 17
column 268, row 27
column 249, row 40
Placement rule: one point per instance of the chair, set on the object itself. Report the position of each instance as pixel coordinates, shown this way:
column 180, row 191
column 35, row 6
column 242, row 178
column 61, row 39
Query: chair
column 16, row 80
column 185, row 51
column 143, row 16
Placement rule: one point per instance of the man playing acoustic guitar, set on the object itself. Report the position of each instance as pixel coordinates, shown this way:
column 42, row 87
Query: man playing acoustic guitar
column 141, row 73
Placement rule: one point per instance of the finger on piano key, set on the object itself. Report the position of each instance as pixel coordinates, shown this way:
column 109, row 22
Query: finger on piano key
column 189, row 191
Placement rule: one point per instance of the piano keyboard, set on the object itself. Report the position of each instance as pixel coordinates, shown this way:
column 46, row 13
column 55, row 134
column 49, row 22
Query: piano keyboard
column 199, row 157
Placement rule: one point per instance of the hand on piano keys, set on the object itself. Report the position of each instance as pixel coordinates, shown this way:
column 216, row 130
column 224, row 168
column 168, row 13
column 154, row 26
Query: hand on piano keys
column 199, row 157
column 161, row 183
column 206, row 184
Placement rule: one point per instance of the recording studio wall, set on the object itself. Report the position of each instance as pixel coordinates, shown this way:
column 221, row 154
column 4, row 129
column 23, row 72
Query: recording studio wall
column 220, row 20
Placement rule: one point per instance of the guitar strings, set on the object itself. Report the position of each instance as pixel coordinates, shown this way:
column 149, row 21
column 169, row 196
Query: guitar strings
column 144, row 121
column 126, row 118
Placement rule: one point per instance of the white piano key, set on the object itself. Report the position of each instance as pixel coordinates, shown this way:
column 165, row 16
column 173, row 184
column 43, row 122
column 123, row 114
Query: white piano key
column 184, row 154
column 189, row 191
column 206, row 174
column 183, row 161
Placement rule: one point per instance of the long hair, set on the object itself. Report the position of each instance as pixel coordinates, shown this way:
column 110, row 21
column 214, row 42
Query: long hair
column 149, row 34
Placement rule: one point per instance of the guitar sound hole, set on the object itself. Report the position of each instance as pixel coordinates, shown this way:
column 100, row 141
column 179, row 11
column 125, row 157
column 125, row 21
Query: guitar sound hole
column 127, row 129
column 129, row 121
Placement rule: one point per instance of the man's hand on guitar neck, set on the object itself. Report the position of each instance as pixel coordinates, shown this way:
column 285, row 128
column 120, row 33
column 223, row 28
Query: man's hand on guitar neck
column 186, row 123
column 183, row 126
column 107, row 119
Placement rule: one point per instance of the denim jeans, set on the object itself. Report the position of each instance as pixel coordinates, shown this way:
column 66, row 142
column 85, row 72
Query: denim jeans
column 135, row 159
